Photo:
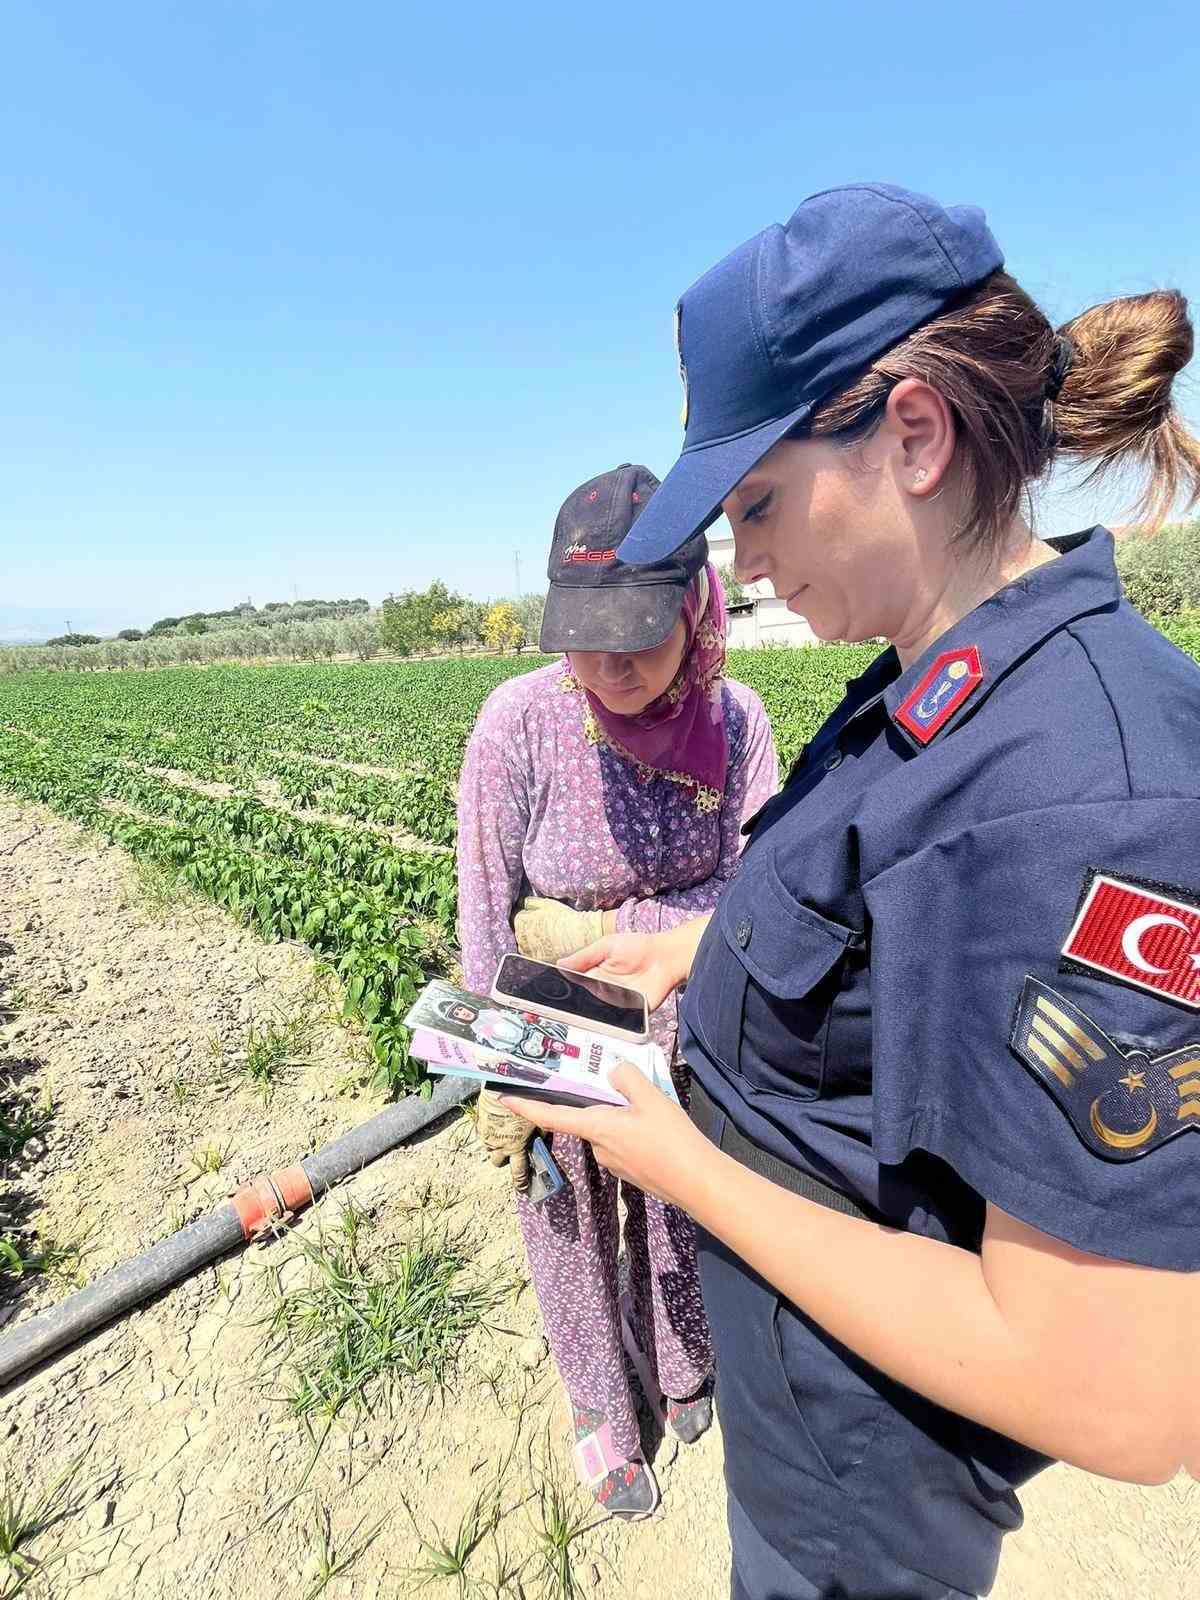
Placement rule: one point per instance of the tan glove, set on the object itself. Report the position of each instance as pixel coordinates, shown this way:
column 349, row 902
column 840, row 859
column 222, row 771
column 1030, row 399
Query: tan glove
column 547, row 930
column 506, row 1137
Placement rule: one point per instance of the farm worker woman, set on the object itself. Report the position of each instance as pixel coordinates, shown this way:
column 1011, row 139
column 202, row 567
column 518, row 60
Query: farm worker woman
column 611, row 787
column 944, row 1026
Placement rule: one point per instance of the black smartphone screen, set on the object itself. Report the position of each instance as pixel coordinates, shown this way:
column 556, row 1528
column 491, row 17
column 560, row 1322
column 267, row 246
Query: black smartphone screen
column 579, row 995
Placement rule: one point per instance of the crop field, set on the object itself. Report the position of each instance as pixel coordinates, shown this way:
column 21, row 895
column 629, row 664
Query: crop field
column 313, row 803
column 364, row 1404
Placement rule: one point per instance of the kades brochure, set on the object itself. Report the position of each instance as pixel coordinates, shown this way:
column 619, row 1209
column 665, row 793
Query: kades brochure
column 468, row 1036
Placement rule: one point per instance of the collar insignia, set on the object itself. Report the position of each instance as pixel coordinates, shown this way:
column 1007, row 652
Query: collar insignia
column 930, row 705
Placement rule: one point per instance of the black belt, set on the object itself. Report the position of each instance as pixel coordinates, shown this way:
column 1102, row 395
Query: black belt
column 705, row 1114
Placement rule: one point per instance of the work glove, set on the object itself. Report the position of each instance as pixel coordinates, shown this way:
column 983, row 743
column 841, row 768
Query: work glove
column 506, row 1137
column 547, row 930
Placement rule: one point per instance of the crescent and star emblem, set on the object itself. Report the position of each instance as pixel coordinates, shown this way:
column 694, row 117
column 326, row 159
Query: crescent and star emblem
column 1121, row 1103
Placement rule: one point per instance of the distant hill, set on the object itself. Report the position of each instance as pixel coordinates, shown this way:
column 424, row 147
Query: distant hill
column 249, row 616
column 37, row 624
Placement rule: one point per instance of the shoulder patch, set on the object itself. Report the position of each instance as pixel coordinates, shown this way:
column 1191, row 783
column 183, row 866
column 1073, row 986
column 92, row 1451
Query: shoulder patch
column 1122, row 1104
column 1136, row 934
column 942, row 689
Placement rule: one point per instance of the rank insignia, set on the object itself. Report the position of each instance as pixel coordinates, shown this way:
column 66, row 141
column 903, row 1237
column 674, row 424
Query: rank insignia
column 1132, row 933
column 1121, row 1103
column 952, row 677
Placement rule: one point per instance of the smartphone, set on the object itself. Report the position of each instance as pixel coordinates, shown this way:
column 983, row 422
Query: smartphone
column 572, row 997
column 545, row 1179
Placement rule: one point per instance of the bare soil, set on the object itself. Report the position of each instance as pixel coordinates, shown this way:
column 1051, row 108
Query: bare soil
column 197, row 1478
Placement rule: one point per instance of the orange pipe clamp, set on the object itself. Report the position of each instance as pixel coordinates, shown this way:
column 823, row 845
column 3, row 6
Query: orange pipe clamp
column 271, row 1199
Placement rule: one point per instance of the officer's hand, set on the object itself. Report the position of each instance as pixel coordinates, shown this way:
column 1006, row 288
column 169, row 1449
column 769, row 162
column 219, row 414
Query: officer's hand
column 547, row 930
column 650, row 1142
column 505, row 1136
column 655, row 964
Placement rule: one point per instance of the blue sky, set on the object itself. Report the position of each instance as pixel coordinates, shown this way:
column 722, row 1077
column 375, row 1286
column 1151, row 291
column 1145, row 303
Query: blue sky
column 349, row 297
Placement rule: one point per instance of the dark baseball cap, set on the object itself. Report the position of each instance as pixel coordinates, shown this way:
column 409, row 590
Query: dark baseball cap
column 790, row 318
column 597, row 602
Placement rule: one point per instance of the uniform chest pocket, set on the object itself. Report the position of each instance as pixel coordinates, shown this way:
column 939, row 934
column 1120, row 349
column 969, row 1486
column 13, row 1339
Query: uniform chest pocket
column 780, row 970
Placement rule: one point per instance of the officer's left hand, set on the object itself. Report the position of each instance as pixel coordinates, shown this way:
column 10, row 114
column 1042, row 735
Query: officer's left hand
column 651, row 1142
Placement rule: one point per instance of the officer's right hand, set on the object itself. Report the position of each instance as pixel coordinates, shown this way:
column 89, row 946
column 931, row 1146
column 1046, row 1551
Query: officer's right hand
column 655, row 964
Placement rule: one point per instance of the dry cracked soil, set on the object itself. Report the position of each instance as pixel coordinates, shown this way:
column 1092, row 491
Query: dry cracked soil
column 185, row 1467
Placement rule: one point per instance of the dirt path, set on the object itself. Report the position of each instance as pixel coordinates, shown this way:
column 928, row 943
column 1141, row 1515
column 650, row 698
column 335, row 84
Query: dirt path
column 198, row 1479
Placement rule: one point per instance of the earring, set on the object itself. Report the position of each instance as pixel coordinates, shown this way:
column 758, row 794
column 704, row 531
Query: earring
column 920, row 475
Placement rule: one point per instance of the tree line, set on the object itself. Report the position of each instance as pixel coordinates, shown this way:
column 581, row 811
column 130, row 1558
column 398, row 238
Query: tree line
column 424, row 622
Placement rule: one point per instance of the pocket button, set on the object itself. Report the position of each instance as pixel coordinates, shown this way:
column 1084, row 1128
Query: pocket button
column 833, row 760
column 743, row 931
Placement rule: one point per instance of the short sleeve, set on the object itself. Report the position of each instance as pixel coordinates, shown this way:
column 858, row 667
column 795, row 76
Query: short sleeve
column 1035, row 992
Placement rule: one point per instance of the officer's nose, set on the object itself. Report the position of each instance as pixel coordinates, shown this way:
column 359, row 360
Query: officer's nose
column 746, row 564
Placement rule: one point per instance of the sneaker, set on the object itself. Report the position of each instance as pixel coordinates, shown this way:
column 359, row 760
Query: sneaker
column 622, row 1487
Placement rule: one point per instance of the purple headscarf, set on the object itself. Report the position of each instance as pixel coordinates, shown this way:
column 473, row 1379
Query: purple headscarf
column 681, row 735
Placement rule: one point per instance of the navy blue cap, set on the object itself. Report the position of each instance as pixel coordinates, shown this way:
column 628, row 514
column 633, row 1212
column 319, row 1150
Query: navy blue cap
column 792, row 317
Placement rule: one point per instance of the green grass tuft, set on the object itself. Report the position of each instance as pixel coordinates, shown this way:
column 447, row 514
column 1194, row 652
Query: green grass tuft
column 364, row 1321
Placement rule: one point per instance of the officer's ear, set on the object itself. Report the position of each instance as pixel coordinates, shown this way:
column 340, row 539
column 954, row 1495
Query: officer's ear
column 922, row 429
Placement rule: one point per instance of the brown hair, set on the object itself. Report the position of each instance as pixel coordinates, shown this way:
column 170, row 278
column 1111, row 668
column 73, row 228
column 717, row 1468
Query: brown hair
column 997, row 361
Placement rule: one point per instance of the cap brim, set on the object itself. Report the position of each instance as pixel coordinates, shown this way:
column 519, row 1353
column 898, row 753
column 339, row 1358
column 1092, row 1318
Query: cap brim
column 689, row 497
column 617, row 617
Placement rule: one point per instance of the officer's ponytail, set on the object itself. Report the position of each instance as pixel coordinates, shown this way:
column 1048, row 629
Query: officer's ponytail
column 1097, row 391
column 1115, row 402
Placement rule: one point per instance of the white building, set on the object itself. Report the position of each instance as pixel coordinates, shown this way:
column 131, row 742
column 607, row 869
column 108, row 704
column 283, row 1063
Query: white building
column 764, row 620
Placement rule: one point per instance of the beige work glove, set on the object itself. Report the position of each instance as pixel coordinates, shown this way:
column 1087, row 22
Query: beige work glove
column 506, row 1137
column 547, row 930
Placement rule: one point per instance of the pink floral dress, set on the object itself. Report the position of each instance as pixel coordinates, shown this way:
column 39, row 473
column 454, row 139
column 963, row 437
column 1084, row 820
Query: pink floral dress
column 543, row 809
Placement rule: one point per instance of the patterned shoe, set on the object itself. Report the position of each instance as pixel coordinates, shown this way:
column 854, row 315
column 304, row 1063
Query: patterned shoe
column 688, row 1419
column 623, row 1488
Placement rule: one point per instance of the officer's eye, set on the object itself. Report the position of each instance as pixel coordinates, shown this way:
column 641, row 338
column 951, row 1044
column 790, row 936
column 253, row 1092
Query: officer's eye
column 758, row 510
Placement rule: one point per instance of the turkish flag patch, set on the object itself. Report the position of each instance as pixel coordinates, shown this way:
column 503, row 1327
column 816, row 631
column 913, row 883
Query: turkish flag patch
column 1135, row 935
column 927, row 708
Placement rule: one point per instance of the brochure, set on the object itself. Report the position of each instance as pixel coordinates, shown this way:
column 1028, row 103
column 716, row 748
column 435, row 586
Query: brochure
column 470, row 1036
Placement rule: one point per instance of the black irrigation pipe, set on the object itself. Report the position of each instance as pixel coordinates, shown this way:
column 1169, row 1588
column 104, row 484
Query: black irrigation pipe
column 265, row 1202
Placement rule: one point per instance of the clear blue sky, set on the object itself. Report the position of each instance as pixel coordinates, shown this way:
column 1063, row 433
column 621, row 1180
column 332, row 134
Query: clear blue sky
column 350, row 296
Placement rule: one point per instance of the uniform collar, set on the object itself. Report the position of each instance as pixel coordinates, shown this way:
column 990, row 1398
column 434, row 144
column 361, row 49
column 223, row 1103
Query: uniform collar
column 960, row 669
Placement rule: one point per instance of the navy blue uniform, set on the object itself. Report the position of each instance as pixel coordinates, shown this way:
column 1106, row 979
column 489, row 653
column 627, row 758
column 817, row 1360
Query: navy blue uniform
column 960, row 963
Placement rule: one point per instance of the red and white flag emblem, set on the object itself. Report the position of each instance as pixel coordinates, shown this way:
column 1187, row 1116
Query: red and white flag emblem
column 1139, row 937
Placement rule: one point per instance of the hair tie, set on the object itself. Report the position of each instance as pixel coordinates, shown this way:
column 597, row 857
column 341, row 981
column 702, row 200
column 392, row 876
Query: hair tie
column 1064, row 359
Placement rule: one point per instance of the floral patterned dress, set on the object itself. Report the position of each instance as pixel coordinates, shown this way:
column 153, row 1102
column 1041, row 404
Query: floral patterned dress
column 545, row 808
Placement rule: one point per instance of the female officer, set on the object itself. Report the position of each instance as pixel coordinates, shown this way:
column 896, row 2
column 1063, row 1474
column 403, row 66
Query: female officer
column 944, row 1025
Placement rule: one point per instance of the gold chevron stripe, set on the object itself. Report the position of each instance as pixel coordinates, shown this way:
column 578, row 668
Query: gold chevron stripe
column 1056, row 1040
column 1187, row 1108
column 1184, row 1067
column 1071, row 1029
column 1192, row 1086
column 1038, row 1049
